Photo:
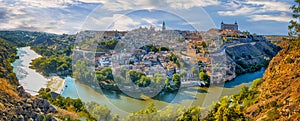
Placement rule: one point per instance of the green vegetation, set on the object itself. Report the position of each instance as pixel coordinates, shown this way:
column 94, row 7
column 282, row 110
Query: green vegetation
column 139, row 78
column 110, row 45
column 294, row 27
column 232, row 108
column 53, row 60
column 273, row 114
column 289, row 60
column 73, row 105
column 180, row 113
column 47, row 65
column 204, row 45
column 27, row 38
column 176, row 83
column 104, row 74
column 192, row 114
column 50, row 51
column 81, row 71
column 174, row 59
column 99, row 112
column 204, row 77
column 153, row 48
column 7, row 56
column 176, row 80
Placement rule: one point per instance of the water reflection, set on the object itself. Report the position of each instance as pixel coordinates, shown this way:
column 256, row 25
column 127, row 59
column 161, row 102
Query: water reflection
column 123, row 104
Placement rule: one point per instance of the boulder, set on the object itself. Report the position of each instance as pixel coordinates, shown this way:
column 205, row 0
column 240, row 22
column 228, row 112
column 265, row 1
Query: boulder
column 52, row 109
column 22, row 93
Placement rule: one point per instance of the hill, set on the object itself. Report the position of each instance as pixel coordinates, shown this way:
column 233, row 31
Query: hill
column 280, row 92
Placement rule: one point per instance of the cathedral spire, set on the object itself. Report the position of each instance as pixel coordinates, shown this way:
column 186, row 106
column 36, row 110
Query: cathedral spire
column 164, row 26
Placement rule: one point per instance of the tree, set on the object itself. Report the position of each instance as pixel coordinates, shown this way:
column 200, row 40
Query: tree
column 192, row 114
column 176, row 80
column 144, row 81
column 98, row 111
column 204, row 45
column 294, row 28
column 203, row 76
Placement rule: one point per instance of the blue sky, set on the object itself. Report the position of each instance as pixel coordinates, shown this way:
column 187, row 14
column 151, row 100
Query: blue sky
column 268, row 17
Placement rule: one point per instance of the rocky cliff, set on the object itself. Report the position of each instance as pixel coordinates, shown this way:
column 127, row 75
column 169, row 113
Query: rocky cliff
column 250, row 57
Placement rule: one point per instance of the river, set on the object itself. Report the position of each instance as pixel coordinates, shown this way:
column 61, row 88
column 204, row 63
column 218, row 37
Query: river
column 31, row 81
column 122, row 104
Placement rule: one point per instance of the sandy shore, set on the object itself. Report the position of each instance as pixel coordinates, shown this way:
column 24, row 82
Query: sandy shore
column 31, row 80
column 56, row 84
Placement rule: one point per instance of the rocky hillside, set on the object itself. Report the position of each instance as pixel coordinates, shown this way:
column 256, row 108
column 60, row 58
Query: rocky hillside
column 279, row 97
column 16, row 104
column 251, row 57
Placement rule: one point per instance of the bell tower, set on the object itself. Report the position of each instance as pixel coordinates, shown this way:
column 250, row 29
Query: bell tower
column 163, row 26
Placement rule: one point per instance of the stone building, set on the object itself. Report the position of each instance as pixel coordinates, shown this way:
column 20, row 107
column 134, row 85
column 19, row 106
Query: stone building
column 233, row 27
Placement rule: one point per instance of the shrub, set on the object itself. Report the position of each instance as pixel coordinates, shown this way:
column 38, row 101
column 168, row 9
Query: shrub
column 289, row 60
column 256, row 82
column 273, row 114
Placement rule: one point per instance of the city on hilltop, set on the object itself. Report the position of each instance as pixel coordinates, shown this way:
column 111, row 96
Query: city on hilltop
column 169, row 53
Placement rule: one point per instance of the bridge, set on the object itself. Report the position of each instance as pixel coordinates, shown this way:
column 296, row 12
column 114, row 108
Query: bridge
column 192, row 82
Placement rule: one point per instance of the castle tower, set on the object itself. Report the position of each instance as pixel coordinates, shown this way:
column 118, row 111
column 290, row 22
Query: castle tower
column 163, row 26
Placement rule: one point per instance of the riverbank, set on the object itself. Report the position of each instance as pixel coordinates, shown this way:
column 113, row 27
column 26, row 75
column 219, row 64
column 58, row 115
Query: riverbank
column 56, row 84
column 30, row 79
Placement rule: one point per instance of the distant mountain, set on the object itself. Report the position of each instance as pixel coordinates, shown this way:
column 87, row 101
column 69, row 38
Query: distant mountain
column 25, row 38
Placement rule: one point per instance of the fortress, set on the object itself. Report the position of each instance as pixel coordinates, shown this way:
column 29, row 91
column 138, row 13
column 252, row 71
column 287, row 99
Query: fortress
column 233, row 27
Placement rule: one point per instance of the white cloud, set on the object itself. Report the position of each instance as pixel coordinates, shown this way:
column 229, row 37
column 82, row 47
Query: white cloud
column 253, row 7
column 49, row 3
column 258, row 10
column 118, row 5
column 58, row 16
column 18, row 17
column 187, row 4
column 269, row 6
column 116, row 22
column 241, row 11
column 151, row 21
column 91, row 1
column 39, row 3
column 280, row 18
column 124, row 23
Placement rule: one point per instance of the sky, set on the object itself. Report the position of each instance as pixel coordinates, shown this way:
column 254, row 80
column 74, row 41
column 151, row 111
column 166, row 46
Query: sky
column 266, row 17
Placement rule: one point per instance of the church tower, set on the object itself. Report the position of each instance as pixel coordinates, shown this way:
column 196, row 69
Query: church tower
column 164, row 26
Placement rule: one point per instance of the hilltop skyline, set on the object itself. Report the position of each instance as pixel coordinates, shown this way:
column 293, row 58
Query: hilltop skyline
column 267, row 17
